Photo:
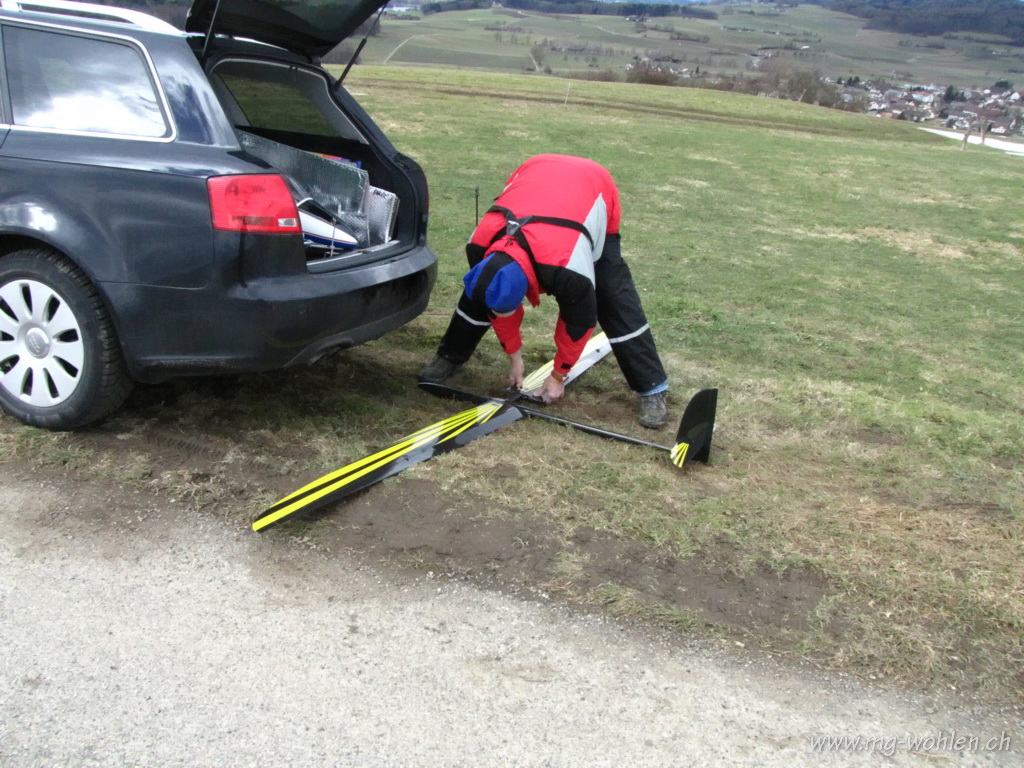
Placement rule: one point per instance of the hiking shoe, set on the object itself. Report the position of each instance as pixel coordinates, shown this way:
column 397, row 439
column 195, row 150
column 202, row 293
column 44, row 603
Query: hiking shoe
column 438, row 370
column 653, row 411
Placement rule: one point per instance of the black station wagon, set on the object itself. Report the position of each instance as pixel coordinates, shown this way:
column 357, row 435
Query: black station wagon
column 191, row 202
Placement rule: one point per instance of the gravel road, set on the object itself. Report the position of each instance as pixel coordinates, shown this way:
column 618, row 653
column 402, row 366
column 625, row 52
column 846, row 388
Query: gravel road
column 136, row 633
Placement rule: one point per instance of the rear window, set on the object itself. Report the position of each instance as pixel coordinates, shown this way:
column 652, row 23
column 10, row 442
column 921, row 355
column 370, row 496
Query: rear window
column 276, row 106
column 271, row 96
column 81, row 84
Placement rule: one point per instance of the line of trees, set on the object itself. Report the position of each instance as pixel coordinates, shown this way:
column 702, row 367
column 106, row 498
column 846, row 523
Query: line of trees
column 578, row 7
column 777, row 81
column 937, row 17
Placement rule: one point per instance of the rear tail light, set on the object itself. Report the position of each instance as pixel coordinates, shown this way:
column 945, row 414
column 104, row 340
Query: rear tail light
column 257, row 203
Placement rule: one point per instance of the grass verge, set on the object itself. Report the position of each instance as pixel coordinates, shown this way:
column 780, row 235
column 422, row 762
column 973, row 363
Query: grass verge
column 853, row 287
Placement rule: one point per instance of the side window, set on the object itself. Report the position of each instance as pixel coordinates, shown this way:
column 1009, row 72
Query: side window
column 69, row 83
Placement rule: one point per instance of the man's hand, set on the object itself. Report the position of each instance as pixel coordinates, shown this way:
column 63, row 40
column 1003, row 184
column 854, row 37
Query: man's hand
column 516, row 370
column 552, row 390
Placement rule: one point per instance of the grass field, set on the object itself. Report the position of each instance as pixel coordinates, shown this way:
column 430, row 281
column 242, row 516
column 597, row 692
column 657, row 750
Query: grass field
column 855, row 288
column 804, row 37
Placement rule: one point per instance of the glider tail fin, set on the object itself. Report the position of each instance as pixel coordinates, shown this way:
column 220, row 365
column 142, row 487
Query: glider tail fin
column 693, row 440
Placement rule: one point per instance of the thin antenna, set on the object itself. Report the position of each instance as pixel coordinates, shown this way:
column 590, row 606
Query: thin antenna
column 359, row 48
column 209, row 31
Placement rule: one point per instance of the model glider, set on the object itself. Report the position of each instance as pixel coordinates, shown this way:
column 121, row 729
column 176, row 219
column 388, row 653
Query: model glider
column 446, row 435
column 693, row 438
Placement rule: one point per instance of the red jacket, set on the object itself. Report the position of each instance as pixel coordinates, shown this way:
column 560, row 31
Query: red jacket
column 557, row 259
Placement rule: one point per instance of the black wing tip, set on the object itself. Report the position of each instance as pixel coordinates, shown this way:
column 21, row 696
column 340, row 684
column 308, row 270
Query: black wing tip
column 437, row 389
column 461, row 430
column 697, row 426
column 265, row 521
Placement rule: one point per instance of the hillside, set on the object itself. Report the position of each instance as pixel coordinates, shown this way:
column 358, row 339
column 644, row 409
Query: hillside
column 964, row 44
column 1003, row 18
column 745, row 40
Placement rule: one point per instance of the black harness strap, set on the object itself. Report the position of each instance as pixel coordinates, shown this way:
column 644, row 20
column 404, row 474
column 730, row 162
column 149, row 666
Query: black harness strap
column 514, row 227
column 491, row 268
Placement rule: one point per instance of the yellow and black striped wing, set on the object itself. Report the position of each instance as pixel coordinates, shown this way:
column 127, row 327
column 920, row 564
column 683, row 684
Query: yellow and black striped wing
column 452, row 432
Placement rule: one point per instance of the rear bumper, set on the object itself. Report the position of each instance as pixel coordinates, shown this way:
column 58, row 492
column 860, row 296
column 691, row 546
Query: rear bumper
column 268, row 323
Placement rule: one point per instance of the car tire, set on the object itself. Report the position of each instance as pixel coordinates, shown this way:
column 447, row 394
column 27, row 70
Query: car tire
column 61, row 365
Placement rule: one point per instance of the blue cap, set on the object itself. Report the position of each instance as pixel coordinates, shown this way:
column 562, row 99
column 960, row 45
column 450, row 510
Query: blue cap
column 498, row 281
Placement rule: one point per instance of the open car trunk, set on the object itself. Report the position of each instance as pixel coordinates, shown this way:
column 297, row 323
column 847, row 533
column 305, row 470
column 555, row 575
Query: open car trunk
column 357, row 199
column 339, row 209
column 306, row 28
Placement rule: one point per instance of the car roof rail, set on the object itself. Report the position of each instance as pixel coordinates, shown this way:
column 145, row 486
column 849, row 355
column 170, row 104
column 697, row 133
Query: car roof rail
column 91, row 11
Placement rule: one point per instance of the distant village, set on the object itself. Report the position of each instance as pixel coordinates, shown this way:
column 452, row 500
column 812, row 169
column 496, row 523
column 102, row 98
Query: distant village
column 995, row 110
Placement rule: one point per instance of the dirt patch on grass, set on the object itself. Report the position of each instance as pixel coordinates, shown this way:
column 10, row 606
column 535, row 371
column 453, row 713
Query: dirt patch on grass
column 918, row 245
column 415, row 523
column 408, row 522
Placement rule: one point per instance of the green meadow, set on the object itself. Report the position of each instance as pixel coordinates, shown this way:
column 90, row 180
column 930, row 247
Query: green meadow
column 854, row 287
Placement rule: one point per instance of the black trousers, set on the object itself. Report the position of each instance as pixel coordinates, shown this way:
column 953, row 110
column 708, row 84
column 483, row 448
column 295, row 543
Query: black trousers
column 619, row 313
